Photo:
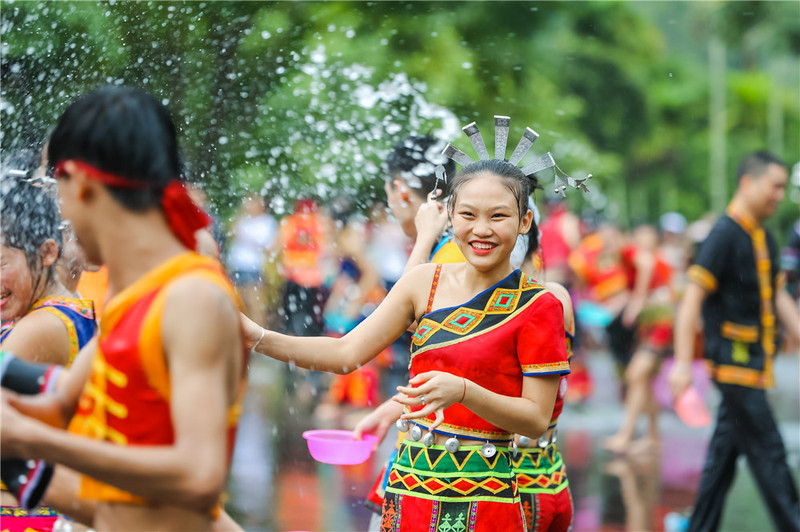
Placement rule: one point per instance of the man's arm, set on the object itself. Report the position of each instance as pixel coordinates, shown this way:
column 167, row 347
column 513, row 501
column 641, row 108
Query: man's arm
column 203, row 351
column 680, row 377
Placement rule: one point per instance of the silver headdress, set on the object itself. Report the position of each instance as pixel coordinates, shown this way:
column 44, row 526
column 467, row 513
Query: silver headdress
column 561, row 181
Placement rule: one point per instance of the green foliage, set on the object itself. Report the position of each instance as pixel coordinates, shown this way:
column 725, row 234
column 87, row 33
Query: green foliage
column 306, row 98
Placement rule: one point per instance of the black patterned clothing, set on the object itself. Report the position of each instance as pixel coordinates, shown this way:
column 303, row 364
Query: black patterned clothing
column 737, row 265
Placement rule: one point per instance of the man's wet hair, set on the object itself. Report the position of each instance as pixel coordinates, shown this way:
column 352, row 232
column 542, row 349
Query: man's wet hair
column 414, row 160
column 756, row 164
column 123, row 131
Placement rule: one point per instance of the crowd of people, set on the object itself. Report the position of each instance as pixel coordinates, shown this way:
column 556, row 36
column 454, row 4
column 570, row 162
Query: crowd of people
column 454, row 311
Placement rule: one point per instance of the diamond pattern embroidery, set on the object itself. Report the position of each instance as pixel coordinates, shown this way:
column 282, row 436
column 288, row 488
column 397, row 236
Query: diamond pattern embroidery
column 425, row 330
column 528, row 282
column 464, row 485
column 502, row 301
column 462, row 320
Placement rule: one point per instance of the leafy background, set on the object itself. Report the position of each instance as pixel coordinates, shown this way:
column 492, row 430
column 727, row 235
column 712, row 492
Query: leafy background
column 306, row 98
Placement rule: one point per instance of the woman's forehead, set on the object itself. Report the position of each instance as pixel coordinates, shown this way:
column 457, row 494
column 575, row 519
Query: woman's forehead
column 485, row 185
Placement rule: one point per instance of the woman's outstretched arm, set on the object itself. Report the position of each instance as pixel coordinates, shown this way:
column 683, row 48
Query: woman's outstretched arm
column 343, row 355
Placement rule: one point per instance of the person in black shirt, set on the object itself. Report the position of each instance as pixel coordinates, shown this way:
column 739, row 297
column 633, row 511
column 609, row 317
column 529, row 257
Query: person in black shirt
column 737, row 282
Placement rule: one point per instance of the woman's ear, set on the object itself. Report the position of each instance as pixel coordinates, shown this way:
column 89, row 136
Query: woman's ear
column 525, row 223
column 49, row 252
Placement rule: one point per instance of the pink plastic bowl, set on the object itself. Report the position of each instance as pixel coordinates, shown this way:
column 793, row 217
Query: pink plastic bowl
column 692, row 409
column 338, row 446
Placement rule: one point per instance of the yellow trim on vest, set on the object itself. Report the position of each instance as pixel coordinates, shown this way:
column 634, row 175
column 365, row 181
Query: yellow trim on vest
column 151, row 350
column 763, row 269
column 699, row 275
column 71, row 332
column 749, row 377
column 742, row 333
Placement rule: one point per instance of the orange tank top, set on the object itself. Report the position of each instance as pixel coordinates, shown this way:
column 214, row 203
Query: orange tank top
column 126, row 400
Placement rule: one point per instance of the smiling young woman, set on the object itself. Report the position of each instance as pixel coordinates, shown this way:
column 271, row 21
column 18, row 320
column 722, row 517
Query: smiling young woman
column 459, row 418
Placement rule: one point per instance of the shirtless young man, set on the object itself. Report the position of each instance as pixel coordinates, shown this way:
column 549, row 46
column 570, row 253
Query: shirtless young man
column 153, row 404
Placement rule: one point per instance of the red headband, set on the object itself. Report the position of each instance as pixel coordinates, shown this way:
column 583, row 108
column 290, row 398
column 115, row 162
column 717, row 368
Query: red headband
column 183, row 215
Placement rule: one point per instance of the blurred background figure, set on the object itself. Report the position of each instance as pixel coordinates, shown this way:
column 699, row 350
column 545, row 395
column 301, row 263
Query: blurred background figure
column 736, row 285
column 306, row 268
column 647, row 318
column 305, row 253
column 560, row 234
column 790, row 261
column 674, row 246
column 388, row 246
column 355, row 291
column 253, row 234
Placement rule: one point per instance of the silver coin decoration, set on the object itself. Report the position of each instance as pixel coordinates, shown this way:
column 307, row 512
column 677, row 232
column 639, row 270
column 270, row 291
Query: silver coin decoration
column 402, row 425
column 524, row 441
column 416, row 433
column 488, row 450
column 452, row 445
column 427, row 440
column 543, row 441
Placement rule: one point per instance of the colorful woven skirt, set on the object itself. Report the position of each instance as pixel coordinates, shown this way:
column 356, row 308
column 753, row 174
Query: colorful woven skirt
column 543, row 488
column 431, row 489
column 17, row 519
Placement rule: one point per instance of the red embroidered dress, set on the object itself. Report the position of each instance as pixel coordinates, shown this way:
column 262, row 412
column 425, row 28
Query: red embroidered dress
column 542, row 476
column 511, row 330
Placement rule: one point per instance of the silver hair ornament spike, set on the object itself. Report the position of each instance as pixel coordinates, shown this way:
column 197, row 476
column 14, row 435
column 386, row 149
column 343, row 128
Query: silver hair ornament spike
column 457, row 155
column 524, row 144
column 579, row 183
column 545, row 161
column 441, row 175
column 474, row 135
column 501, row 125
column 561, row 181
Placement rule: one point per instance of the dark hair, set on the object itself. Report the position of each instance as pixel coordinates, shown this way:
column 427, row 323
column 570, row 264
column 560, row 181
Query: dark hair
column 519, row 184
column 29, row 216
column 414, row 160
column 123, row 131
column 756, row 164
column 23, row 164
column 532, row 240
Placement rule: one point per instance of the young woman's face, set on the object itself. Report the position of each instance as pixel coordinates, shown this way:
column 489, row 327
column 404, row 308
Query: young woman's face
column 16, row 283
column 486, row 222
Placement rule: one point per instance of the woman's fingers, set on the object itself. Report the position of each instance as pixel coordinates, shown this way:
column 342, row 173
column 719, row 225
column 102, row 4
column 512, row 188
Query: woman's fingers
column 438, row 420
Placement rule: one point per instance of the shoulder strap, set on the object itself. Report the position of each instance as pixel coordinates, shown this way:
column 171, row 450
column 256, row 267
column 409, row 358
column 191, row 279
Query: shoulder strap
column 434, row 285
